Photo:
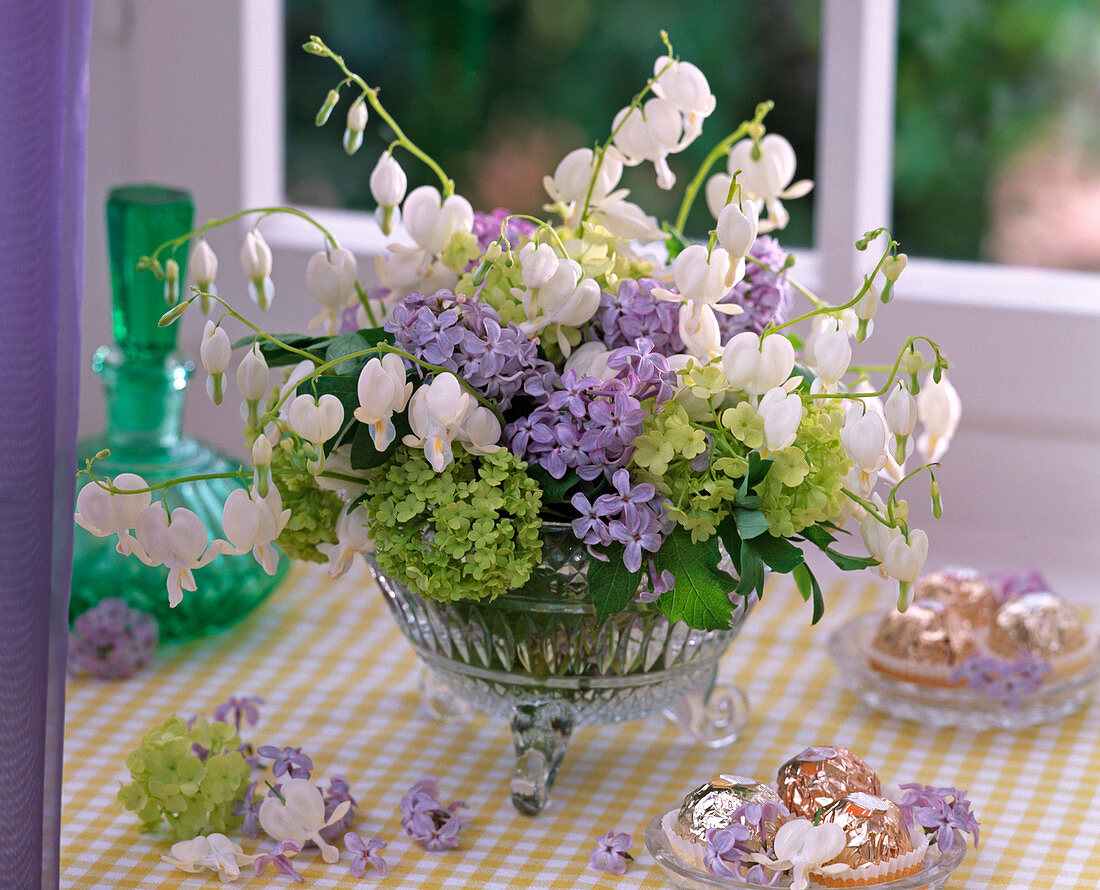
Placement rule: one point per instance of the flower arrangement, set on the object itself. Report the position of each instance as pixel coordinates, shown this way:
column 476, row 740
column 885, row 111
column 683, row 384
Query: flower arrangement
column 594, row 368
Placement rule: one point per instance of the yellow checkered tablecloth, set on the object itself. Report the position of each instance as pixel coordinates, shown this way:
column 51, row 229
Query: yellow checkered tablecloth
column 341, row 681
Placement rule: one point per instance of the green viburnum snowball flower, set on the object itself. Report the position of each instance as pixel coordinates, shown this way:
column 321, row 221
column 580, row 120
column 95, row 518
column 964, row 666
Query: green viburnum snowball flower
column 470, row 532
column 313, row 510
column 171, row 783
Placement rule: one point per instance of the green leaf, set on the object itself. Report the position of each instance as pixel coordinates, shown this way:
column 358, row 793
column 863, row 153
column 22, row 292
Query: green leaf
column 780, row 554
column 752, row 572
column 758, row 469
column 750, row 523
column 700, row 597
column 810, row 589
column 349, row 344
column 822, row 539
column 611, row 583
column 276, row 356
column 731, row 540
column 554, row 491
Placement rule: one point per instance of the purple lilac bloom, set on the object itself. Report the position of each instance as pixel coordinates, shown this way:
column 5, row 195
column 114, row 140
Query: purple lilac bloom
column 426, row 820
column 938, row 809
column 487, row 228
column 757, row 814
column 365, row 853
column 1009, row 585
column 725, row 847
column 633, row 312
column 111, row 640
column 758, row 874
column 249, row 807
column 338, row 792
column 766, row 296
column 611, row 853
column 465, row 335
column 634, row 516
column 279, row 856
column 242, row 709
column 587, row 424
column 1001, row 680
column 288, row 761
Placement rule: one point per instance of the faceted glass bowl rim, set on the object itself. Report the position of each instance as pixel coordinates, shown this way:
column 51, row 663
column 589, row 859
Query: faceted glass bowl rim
column 931, row 874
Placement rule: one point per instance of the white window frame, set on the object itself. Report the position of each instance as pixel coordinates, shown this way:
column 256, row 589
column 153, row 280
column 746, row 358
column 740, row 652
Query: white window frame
column 1009, row 331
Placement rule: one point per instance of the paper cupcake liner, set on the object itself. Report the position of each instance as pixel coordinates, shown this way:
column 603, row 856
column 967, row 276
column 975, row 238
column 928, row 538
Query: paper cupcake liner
column 876, row 872
column 913, row 671
column 690, row 852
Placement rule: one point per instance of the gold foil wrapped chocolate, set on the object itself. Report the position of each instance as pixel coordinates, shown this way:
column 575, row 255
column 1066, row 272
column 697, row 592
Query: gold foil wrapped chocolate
column 1041, row 624
column 712, row 806
column 820, row 775
column 873, row 827
column 964, row 590
column 929, row 636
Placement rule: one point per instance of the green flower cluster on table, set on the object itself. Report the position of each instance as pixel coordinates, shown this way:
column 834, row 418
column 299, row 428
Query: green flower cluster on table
column 172, row 783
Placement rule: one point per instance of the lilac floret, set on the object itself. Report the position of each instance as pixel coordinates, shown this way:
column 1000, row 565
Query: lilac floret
column 288, row 761
column 725, row 849
column 632, row 312
column 612, row 853
column 337, row 792
column 427, row 821
column 487, row 228
column 466, row 336
column 111, row 640
column 939, row 810
column 1002, row 680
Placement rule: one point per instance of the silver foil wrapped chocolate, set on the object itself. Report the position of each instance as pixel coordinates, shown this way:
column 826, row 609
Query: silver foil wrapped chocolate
column 713, row 805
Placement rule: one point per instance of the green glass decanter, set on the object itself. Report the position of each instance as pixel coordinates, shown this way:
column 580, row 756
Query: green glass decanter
column 145, row 378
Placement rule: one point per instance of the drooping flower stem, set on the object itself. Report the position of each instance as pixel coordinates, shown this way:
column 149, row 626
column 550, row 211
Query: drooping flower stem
column 316, row 46
column 720, row 150
column 940, row 362
column 635, row 104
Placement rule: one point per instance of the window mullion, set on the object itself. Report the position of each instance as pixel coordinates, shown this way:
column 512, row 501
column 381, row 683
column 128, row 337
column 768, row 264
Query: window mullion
column 855, row 133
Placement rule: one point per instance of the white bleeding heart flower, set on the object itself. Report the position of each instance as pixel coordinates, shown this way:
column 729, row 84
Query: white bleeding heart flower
column 590, row 360
column 782, row 412
column 253, row 375
column 316, row 420
column 864, row 438
column 805, row 847
column 178, row 542
column 737, row 229
column 704, row 277
column 300, row 816
column 901, row 411
column 436, row 413
column 202, row 266
column 905, row 556
column 537, row 265
column 566, row 299
column 252, row 523
column 767, row 178
column 330, row 278
column 215, row 852
column 256, row 263
column 104, row 513
column 388, row 182
column 215, row 349
column 432, row 220
column 939, row 409
column 382, row 393
column 700, row 331
column 352, row 537
column 569, row 189
column 686, row 87
column 832, row 353
column 650, row 133
column 480, row 431
column 876, row 536
column 757, row 364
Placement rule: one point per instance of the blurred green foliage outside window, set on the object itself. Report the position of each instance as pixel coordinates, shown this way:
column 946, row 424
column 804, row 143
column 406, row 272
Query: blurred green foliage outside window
column 498, row 91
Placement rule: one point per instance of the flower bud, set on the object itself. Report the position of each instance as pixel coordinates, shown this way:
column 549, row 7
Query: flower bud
column 256, row 263
column 215, row 350
column 203, row 266
column 171, row 282
column 868, row 303
column 937, row 503
column 326, row 108
column 737, row 230
column 901, row 411
column 172, row 314
column 253, row 375
column 388, row 182
column 357, row 122
column 261, row 464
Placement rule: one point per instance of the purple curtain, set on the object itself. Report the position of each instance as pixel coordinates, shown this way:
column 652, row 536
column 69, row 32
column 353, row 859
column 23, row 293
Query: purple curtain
column 43, row 135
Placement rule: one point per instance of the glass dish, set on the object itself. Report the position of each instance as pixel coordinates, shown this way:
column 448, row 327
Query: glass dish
column 935, row 871
column 849, row 646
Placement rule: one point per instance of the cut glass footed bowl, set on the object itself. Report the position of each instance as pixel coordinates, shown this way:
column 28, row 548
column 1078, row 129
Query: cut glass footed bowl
column 537, row 656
